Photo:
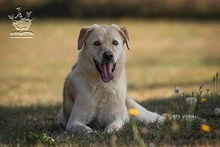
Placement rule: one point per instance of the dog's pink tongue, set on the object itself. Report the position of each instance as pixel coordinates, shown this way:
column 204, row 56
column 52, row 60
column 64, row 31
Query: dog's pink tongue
column 107, row 74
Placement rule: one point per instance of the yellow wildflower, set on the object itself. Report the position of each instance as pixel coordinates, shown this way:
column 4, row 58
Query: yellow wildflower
column 205, row 128
column 203, row 100
column 133, row 112
column 208, row 89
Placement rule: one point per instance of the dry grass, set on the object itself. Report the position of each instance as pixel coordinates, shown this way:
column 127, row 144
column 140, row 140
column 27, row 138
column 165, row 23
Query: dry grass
column 163, row 53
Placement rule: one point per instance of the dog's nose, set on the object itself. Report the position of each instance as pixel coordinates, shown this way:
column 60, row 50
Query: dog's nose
column 108, row 55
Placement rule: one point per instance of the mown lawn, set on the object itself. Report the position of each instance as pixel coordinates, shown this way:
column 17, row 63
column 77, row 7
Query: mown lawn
column 163, row 53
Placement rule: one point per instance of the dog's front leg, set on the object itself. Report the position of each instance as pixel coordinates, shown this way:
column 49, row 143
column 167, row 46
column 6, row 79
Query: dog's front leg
column 143, row 114
column 78, row 121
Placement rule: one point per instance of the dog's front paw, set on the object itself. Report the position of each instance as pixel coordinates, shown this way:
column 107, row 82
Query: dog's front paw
column 110, row 129
column 115, row 126
column 78, row 128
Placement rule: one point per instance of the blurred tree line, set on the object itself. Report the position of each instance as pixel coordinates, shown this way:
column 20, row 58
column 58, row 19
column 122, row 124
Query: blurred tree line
column 198, row 9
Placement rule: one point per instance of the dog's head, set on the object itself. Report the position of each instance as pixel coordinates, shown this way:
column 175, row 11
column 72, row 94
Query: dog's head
column 104, row 44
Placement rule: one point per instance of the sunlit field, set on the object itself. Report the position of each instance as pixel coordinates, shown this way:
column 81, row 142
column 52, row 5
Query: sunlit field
column 163, row 54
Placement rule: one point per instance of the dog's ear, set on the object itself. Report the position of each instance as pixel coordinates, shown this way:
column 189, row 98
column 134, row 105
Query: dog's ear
column 84, row 33
column 124, row 33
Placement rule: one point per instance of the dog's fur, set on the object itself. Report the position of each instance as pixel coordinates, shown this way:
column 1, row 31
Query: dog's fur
column 95, row 90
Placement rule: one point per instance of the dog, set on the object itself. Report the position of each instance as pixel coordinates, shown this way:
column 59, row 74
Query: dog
column 95, row 91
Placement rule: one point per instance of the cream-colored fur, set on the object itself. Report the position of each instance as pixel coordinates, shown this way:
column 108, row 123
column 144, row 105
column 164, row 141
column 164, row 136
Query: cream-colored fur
column 100, row 98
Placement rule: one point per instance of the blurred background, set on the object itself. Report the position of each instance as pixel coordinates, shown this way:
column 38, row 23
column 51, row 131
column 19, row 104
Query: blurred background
column 173, row 42
column 197, row 9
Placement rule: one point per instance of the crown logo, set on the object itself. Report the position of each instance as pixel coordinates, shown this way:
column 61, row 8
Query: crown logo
column 21, row 24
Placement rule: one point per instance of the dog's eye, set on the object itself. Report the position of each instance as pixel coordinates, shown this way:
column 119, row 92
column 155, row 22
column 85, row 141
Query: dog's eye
column 114, row 42
column 97, row 43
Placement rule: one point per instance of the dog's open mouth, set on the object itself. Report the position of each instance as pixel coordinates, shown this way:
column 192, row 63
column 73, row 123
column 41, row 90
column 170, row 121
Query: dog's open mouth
column 106, row 70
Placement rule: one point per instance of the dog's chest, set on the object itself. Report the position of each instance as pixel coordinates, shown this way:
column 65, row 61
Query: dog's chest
column 107, row 100
column 105, row 95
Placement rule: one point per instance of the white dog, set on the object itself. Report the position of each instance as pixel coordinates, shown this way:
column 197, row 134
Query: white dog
column 95, row 90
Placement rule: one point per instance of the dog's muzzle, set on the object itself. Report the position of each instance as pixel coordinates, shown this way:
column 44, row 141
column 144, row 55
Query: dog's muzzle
column 106, row 67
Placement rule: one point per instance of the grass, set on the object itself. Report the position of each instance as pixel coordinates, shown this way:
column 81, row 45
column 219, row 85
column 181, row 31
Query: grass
column 163, row 53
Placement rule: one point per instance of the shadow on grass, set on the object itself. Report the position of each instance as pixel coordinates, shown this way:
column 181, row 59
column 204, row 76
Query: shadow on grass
column 178, row 105
column 18, row 123
column 36, row 124
column 34, row 112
